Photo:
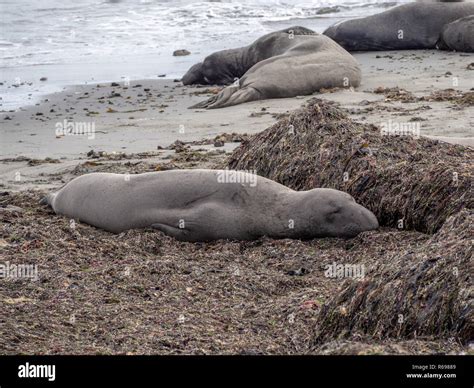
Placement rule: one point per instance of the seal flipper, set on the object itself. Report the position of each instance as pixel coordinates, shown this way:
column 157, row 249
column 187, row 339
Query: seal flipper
column 177, row 233
column 218, row 100
column 47, row 200
column 204, row 104
column 246, row 94
column 231, row 95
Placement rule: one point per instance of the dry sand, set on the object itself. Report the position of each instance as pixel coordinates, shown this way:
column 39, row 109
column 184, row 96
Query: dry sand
column 142, row 292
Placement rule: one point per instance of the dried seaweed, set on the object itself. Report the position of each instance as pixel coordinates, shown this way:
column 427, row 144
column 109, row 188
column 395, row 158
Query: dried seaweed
column 424, row 292
column 141, row 292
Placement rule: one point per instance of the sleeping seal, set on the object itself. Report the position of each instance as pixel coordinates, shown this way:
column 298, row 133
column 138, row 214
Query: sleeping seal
column 458, row 35
column 205, row 205
column 291, row 62
column 408, row 26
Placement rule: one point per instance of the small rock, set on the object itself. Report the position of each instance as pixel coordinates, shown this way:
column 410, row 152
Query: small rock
column 43, row 78
column 298, row 272
column 181, row 53
column 219, row 143
column 95, row 154
column 114, row 84
column 178, row 146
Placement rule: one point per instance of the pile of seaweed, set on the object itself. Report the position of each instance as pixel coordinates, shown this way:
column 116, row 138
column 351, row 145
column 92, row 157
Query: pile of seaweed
column 421, row 293
column 409, row 182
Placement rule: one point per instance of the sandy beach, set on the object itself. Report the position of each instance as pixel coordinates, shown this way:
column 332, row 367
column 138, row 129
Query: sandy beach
column 142, row 292
column 145, row 115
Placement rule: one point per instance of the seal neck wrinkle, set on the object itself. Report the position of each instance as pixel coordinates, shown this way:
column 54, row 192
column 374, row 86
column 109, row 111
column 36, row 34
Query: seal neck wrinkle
column 291, row 219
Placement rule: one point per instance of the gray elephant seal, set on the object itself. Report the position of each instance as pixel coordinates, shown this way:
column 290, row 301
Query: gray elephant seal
column 205, row 205
column 223, row 67
column 408, row 26
column 287, row 63
column 458, row 35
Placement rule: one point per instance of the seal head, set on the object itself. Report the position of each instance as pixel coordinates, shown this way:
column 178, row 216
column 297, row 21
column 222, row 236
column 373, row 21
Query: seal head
column 333, row 213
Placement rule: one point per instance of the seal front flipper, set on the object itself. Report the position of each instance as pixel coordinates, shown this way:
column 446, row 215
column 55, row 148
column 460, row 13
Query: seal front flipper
column 177, row 233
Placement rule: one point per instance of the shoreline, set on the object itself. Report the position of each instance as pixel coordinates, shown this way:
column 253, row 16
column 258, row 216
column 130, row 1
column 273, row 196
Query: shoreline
column 22, row 86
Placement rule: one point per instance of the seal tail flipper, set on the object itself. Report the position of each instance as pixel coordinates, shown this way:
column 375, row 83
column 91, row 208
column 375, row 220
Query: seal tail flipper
column 204, row 104
column 47, row 199
column 231, row 95
column 245, row 94
column 218, row 100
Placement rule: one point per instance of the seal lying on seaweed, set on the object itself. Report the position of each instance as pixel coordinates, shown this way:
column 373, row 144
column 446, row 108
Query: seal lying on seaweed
column 205, row 205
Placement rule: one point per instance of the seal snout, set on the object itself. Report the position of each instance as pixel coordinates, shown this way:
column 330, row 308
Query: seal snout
column 370, row 221
column 355, row 220
column 193, row 75
column 334, row 213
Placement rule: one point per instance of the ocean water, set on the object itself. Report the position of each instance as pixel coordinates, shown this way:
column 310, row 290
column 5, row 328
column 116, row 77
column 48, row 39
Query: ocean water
column 75, row 42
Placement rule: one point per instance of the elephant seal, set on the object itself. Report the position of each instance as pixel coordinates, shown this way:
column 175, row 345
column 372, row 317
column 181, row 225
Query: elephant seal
column 458, row 35
column 287, row 63
column 205, row 205
column 408, row 26
column 223, row 67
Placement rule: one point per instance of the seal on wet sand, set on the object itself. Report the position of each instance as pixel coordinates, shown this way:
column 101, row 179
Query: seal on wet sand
column 292, row 62
column 408, row 26
column 206, row 205
column 458, row 35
